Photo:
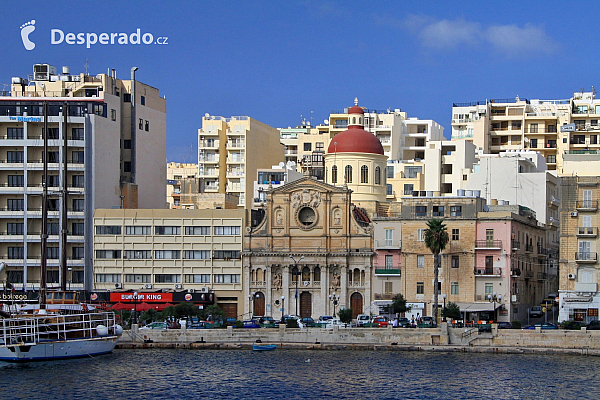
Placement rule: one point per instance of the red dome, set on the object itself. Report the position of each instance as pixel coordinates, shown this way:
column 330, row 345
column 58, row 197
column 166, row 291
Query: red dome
column 355, row 110
column 355, row 140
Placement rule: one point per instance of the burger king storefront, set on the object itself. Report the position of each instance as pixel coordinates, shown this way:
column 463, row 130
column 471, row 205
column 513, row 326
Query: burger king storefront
column 157, row 300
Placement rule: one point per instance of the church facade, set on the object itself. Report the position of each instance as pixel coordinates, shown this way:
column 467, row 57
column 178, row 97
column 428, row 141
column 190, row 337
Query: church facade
column 309, row 253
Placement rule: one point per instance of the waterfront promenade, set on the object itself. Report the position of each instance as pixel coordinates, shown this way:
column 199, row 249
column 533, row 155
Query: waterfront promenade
column 443, row 338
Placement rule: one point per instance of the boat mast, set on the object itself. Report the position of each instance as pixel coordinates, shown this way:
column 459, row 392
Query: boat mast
column 63, row 207
column 44, row 233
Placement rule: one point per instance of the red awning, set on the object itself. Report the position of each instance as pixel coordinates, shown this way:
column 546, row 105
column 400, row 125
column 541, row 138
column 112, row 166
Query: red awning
column 121, row 306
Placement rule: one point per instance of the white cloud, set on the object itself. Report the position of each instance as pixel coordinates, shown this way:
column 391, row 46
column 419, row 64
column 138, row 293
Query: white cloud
column 515, row 40
column 448, row 34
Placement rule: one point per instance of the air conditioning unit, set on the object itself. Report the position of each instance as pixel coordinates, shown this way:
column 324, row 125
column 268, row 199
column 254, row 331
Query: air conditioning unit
column 148, row 286
column 572, row 276
column 191, row 290
column 118, row 285
column 573, row 213
column 204, row 290
column 179, row 286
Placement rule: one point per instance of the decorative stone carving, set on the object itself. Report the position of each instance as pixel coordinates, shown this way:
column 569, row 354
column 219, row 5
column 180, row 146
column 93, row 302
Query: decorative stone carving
column 277, row 281
column 335, row 281
column 306, row 198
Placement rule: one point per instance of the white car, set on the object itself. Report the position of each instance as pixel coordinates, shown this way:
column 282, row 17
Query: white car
column 335, row 322
column 362, row 319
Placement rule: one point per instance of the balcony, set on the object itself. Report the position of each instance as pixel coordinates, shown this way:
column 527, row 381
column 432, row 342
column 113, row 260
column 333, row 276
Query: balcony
column 542, row 250
column 542, row 276
column 487, row 271
column 488, row 244
column 529, row 248
column 554, row 201
column 388, row 271
column 515, row 245
column 515, row 272
column 586, row 287
column 587, row 205
column 586, row 257
column 586, row 231
column 388, row 244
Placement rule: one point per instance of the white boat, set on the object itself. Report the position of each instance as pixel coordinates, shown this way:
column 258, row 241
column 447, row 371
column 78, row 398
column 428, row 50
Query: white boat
column 39, row 337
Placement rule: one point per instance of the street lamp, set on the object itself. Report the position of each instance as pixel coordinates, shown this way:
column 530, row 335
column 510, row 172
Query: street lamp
column 297, row 275
column 495, row 298
column 70, row 276
column 444, row 309
column 334, row 299
column 135, row 297
column 282, row 309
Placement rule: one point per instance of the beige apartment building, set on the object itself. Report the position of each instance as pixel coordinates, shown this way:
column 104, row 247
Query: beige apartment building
column 170, row 251
column 115, row 134
column 178, row 175
column 231, row 150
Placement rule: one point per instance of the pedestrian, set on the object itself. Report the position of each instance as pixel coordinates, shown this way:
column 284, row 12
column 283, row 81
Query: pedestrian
column 412, row 321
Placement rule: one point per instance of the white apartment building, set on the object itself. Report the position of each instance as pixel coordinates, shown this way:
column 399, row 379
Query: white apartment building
column 271, row 178
column 230, row 150
column 170, row 251
column 115, row 133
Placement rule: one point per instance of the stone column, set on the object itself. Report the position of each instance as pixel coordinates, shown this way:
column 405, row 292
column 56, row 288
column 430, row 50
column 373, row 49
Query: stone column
column 285, row 291
column 246, row 285
column 368, row 282
column 343, row 287
column 268, row 286
column 322, row 307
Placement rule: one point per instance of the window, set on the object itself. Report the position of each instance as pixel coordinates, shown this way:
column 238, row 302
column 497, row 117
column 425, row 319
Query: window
column 489, row 265
column 143, row 100
column 334, row 174
column 77, row 134
column 197, row 230
column 587, row 199
column 53, row 181
column 364, row 174
column 307, row 146
column 77, row 253
column 196, row 254
column 77, row 229
column 167, row 278
column 455, row 234
column 455, row 211
column 167, row 254
column 108, row 254
column 14, row 156
column 52, row 133
column 421, row 235
column 226, row 254
column 455, row 262
column 141, row 124
column 389, row 189
column 14, row 133
column 52, row 253
column 78, row 157
column 15, row 204
column 78, row 181
column 167, row 230
column 127, row 144
column 408, row 189
column 108, row 230
column 320, row 146
column 348, row 174
column 421, row 261
column 420, row 288
column 420, row 211
column 489, row 234
column 53, row 228
column 454, row 288
column 147, row 126
column 16, row 180
column 138, row 230
column 389, row 237
column 227, row 278
column 389, row 261
column 388, row 287
column 108, row 278
column 227, row 230
column 438, row 211
column 533, row 143
column 489, row 289
column 113, row 114
column 196, row 278
column 15, row 253
column 137, row 278
column 411, row 172
column 14, row 276
column 390, row 171
column 126, row 166
column 377, row 176
column 138, row 254
column 14, row 228
column 127, row 97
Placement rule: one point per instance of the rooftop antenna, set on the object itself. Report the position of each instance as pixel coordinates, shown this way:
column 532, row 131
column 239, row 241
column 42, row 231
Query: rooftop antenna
column 86, row 66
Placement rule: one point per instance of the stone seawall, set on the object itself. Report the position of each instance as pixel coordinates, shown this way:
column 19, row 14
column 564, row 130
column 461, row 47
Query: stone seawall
column 442, row 338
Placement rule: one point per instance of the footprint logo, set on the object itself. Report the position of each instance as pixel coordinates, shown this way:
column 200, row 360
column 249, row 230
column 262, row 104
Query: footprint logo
column 26, row 29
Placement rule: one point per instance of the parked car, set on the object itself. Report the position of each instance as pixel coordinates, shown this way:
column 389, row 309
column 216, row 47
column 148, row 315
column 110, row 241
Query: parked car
column 504, row 325
column 362, row 319
column 381, row 321
column 251, row 324
column 200, row 325
column 428, row 321
column 403, row 323
column 593, row 325
column 155, row 325
column 308, row 321
column 543, row 325
column 572, row 325
column 324, row 318
column 536, row 311
column 263, row 320
column 334, row 322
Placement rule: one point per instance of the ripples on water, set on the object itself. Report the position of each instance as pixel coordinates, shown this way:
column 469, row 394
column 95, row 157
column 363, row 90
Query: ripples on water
column 285, row 374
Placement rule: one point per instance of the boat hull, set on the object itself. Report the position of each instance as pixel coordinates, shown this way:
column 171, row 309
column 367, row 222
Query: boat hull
column 55, row 350
column 263, row 347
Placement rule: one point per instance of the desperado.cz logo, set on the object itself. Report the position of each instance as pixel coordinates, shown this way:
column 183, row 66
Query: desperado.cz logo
column 57, row 36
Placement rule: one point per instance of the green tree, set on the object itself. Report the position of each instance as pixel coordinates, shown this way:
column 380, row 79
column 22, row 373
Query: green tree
column 436, row 239
column 452, row 310
column 149, row 316
column 214, row 311
column 186, row 310
column 399, row 304
column 345, row 315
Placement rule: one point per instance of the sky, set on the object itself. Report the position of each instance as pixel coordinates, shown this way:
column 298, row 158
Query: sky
column 281, row 61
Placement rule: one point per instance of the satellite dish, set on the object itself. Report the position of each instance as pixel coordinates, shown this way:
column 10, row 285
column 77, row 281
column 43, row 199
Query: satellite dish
column 326, row 122
column 281, row 164
column 207, row 115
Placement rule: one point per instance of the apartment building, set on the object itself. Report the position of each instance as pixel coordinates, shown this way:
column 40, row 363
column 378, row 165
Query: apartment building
column 387, row 262
column 227, row 154
column 113, row 157
column 178, row 174
column 271, row 178
column 170, row 251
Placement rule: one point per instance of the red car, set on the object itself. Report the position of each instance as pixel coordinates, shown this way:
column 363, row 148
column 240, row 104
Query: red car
column 381, row 322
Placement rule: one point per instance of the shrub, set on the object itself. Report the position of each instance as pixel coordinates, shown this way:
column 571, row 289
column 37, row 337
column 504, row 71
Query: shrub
column 292, row 323
column 238, row 324
column 516, row 324
column 345, row 315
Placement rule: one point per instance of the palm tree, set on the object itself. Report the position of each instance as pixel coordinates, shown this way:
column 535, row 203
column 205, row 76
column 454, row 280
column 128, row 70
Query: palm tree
column 436, row 239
